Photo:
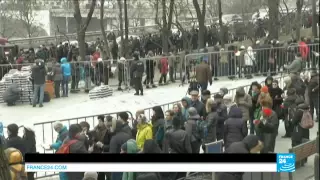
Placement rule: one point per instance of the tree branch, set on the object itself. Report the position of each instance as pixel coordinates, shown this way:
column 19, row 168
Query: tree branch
column 89, row 16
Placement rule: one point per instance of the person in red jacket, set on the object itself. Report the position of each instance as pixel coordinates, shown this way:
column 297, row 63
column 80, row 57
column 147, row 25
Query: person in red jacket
column 303, row 49
column 163, row 66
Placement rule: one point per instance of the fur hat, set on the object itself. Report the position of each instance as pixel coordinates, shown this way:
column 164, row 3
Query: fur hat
column 90, row 175
column 267, row 112
column 265, row 89
column 192, row 111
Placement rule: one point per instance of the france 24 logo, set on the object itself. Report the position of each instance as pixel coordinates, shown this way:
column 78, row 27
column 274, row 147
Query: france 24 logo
column 286, row 162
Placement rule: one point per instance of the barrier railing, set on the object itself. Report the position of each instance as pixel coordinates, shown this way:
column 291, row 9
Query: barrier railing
column 245, row 62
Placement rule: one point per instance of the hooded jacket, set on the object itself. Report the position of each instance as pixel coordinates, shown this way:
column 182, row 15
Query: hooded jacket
column 164, row 65
column 191, row 128
column 119, row 138
column 144, row 133
column 212, row 120
column 12, row 94
column 244, row 102
column 184, row 110
column 62, row 135
column 131, row 148
column 235, row 129
column 39, row 73
column 177, row 141
column 15, row 159
column 66, row 67
column 275, row 94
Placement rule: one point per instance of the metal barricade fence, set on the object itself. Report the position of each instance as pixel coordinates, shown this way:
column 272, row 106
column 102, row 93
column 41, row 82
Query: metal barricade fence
column 258, row 61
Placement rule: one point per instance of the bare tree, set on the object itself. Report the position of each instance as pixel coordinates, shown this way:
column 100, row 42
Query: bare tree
column 315, row 18
column 82, row 25
column 6, row 21
column 121, row 27
column 25, row 11
column 222, row 28
column 273, row 25
column 103, row 31
column 298, row 23
column 126, row 29
column 201, row 14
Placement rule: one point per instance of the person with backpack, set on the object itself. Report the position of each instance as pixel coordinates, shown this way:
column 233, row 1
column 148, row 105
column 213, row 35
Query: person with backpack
column 17, row 168
column 302, row 122
column 222, row 112
column 235, row 129
column 193, row 128
column 73, row 144
column 211, row 122
column 289, row 109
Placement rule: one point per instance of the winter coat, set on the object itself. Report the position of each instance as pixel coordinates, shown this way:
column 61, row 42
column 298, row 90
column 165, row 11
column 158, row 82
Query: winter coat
column 212, row 120
column 265, row 100
column 313, row 84
column 267, row 80
column 66, row 67
column 144, row 133
column 249, row 57
column 60, row 138
column 131, row 149
column 158, row 125
column 184, row 110
column 299, row 133
column 268, row 132
column 235, row 129
column 100, row 132
column 244, row 102
column 304, row 50
column 200, row 107
column 39, row 73
column 76, row 148
column 203, row 73
column 57, row 72
column 16, row 163
column 136, row 69
column 18, row 143
column 296, row 66
column 191, row 128
column 12, row 94
column 177, row 141
column 222, row 113
column 127, row 129
column 119, row 138
column 164, row 65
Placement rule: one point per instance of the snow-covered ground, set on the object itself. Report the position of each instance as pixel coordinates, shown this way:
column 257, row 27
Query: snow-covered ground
column 79, row 105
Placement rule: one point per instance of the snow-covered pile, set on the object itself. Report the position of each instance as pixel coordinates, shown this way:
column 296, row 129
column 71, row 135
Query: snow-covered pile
column 100, row 92
column 22, row 79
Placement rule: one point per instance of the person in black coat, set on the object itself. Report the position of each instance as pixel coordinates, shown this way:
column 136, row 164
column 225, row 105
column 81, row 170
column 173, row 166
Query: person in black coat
column 14, row 140
column 222, row 112
column 136, row 73
column 254, row 92
column 276, row 94
column 235, row 129
column 30, row 141
column 299, row 134
column 250, row 144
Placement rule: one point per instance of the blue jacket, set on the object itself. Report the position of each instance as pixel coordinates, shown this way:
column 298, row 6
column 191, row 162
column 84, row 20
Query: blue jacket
column 61, row 137
column 66, row 67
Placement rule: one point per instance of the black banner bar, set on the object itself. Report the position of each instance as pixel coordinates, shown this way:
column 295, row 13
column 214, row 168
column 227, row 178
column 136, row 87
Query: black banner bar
column 151, row 158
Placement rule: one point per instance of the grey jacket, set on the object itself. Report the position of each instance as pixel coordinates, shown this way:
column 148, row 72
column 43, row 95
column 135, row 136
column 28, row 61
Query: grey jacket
column 57, row 72
column 244, row 102
column 295, row 66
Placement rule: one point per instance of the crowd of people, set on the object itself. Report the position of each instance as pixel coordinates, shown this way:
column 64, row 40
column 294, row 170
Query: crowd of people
column 197, row 120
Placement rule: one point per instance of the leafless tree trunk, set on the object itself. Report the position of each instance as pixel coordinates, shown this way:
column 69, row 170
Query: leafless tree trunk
column 126, row 29
column 298, row 23
column 121, row 28
column 221, row 23
column 201, row 20
column 315, row 18
column 166, row 24
column 103, row 31
column 82, row 26
column 273, row 22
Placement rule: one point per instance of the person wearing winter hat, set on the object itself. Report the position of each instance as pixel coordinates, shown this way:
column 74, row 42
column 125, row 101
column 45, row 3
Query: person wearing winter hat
column 90, row 176
column 190, row 127
column 267, row 127
column 129, row 147
column 136, row 72
column 265, row 99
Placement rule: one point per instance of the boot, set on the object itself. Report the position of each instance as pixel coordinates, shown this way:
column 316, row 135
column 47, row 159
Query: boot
column 120, row 89
column 154, row 86
column 148, row 87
